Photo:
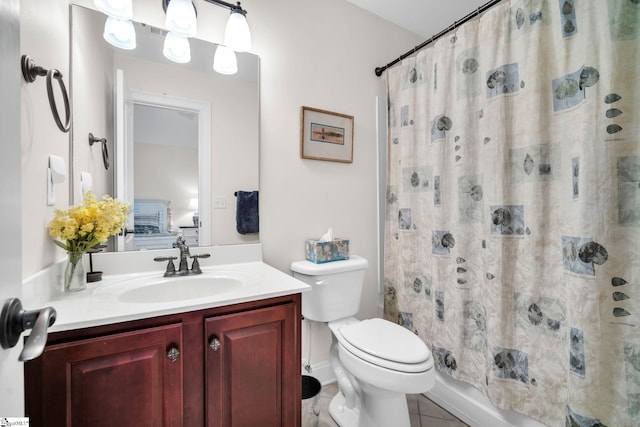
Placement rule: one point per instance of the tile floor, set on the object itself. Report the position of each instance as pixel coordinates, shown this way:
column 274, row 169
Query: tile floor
column 422, row 411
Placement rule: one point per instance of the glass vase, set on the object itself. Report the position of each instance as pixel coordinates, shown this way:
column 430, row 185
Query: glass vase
column 75, row 277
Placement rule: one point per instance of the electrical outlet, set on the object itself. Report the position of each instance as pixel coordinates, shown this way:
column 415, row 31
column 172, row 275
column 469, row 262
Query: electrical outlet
column 220, row 202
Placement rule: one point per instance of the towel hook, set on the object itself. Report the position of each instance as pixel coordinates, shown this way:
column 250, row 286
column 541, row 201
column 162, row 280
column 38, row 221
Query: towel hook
column 105, row 150
column 30, row 71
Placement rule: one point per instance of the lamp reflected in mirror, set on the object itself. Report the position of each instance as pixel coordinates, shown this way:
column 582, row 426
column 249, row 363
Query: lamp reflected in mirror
column 225, row 61
column 193, row 206
column 119, row 33
column 176, row 48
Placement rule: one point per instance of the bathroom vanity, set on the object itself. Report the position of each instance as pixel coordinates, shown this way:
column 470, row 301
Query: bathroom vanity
column 230, row 358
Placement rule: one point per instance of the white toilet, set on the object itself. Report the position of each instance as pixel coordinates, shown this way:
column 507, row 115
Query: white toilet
column 376, row 362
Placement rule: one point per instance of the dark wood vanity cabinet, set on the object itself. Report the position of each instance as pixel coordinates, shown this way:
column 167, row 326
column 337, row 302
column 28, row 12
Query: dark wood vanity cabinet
column 236, row 365
column 246, row 356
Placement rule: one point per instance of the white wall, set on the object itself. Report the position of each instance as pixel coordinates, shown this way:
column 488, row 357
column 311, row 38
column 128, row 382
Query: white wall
column 321, row 55
column 151, row 183
column 44, row 35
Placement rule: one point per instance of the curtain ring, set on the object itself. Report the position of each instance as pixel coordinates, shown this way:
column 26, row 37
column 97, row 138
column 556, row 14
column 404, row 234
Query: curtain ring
column 454, row 38
column 105, row 150
column 55, row 74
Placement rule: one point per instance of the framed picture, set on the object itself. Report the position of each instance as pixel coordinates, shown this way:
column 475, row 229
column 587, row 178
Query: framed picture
column 326, row 136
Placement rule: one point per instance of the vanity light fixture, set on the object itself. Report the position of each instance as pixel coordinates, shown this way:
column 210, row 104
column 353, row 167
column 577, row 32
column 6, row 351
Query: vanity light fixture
column 118, row 28
column 181, row 21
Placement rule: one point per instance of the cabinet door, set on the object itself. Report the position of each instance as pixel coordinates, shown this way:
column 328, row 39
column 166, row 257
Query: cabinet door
column 251, row 369
column 121, row 379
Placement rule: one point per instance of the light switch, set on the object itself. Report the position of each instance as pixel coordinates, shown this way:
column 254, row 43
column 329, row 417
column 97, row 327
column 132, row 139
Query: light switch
column 220, row 202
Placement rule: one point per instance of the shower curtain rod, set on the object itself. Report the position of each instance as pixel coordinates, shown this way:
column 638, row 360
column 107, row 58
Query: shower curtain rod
column 469, row 17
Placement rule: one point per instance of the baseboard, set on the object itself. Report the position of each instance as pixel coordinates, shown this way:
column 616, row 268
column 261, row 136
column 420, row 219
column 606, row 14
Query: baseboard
column 322, row 372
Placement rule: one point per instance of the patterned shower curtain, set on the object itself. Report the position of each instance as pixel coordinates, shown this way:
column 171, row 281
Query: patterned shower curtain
column 513, row 207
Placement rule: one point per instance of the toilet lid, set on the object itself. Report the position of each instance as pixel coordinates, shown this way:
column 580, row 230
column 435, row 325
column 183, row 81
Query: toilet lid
column 386, row 340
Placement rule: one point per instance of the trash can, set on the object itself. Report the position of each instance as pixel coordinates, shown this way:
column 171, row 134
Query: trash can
column 310, row 401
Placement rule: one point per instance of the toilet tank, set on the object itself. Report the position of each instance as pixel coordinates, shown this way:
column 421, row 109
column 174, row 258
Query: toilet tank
column 336, row 288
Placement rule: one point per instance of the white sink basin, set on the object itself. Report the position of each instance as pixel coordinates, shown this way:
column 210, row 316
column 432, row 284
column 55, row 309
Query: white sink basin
column 158, row 289
column 180, row 288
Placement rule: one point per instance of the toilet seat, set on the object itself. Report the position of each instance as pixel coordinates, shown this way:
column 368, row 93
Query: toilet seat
column 386, row 344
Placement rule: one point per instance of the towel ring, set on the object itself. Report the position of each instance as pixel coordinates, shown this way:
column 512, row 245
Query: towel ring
column 105, row 150
column 30, row 71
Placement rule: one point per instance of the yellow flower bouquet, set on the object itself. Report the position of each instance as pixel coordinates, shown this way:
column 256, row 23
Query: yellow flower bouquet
column 81, row 227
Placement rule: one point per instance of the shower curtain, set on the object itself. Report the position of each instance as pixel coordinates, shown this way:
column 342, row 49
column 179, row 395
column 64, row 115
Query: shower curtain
column 513, row 207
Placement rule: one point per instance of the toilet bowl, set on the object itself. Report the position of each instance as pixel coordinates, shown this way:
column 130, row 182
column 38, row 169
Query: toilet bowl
column 387, row 361
column 376, row 362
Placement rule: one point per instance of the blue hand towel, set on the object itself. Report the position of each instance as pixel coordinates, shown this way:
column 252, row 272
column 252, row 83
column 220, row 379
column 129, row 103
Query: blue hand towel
column 247, row 218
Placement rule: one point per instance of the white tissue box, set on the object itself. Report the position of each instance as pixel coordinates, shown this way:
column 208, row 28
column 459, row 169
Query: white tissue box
column 319, row 252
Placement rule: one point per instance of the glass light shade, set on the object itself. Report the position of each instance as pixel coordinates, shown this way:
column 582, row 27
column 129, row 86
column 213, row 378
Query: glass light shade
column 236, row 34
column 120, row 33
column 176, row 48
column 193, row 204
column 181, row 18
column 120, row 9
column 224, row 61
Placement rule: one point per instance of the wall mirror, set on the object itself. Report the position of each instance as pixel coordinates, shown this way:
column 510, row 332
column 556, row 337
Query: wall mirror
column 182, row 139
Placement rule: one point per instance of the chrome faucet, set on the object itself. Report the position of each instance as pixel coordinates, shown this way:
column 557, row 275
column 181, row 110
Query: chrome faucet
column 183, row 268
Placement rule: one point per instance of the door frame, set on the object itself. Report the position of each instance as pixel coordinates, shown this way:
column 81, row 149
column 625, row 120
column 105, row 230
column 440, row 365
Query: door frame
column 125, row 100
column 11, row 84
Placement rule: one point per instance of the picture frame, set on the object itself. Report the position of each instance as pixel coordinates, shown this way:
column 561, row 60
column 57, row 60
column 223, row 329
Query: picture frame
column 325, row 135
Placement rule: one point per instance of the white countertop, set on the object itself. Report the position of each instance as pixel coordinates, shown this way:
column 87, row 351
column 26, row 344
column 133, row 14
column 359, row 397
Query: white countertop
column 97, row 305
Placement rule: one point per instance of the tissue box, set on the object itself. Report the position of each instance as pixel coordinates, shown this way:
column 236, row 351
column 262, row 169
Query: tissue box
column 319, row 252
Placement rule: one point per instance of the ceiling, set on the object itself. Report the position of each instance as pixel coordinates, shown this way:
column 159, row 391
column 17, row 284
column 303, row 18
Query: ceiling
column 423, row 17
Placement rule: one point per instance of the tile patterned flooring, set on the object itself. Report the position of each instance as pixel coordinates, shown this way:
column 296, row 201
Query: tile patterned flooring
column 422, row 411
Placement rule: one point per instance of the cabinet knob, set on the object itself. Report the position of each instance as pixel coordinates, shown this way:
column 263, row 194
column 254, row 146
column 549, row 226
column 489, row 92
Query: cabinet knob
column 215, row 343
column 173, row 353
